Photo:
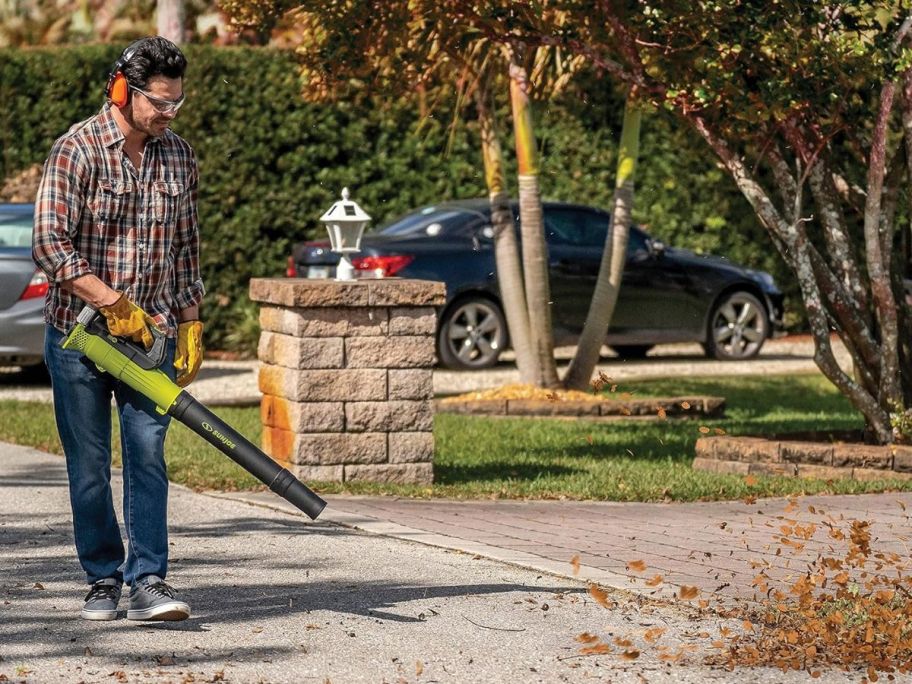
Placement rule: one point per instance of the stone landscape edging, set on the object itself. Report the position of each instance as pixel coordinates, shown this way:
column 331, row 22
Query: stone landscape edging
column 671, row 407
column 822, row 460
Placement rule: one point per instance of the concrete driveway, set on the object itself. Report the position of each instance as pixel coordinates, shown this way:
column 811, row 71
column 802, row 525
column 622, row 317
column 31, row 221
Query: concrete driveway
column 277, row 598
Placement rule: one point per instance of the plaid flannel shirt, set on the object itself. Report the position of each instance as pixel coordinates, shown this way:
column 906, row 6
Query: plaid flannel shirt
column 136, row 230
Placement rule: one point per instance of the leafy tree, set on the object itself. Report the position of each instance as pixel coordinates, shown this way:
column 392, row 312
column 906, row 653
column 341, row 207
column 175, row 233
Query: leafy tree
column 808, row 106
column 398, row 48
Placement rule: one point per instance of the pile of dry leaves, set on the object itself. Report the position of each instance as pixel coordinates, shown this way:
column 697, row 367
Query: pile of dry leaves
column 850, row 608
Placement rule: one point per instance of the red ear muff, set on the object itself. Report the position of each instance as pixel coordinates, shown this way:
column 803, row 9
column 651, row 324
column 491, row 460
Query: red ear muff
column 120, row 90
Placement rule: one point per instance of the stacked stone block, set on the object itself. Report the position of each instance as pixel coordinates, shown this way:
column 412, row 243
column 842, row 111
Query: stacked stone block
column 346, row 376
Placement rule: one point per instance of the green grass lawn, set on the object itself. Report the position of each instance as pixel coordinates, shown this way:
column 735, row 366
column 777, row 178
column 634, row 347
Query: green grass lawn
column 480, row 457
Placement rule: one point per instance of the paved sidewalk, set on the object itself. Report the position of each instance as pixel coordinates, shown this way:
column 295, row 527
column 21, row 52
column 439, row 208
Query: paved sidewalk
column 718, row 547
column 277, row 598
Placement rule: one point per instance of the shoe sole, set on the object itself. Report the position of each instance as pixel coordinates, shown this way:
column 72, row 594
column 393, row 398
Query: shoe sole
column 168, row 612
column 99, row 614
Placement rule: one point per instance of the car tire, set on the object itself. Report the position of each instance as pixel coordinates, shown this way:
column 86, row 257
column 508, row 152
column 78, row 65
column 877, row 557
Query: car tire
column 631, row 351
column 472, row 334
column 738, row 327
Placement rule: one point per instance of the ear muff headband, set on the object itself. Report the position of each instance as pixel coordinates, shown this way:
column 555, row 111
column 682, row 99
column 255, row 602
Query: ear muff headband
column 118, row 88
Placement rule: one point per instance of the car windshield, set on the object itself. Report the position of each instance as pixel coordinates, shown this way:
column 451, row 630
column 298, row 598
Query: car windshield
column 15, row 229
column 429, row 221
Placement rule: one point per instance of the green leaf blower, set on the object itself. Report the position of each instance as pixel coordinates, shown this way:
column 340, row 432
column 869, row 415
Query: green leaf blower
column 139, row 369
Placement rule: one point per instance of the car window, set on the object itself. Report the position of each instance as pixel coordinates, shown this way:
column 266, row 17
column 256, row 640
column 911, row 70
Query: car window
column 637, row 242
column 430, row 221
column 15, row 230
column 576, row 227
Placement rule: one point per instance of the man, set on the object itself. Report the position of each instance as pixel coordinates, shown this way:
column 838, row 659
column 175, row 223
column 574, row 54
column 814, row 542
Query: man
column 116, row 228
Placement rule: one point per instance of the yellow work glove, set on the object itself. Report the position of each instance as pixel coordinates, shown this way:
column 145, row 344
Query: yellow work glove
column 189, row 354
column 125, row 319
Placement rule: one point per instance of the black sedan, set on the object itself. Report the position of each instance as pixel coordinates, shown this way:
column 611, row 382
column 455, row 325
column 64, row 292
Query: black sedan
column 667, row 295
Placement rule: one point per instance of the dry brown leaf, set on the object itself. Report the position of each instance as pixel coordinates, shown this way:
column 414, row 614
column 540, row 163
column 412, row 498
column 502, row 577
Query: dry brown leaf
column 685, row 405
column 636, row 565
column 654, row 634
column 600, row 595
column 662, row 414
column 598, row 649
column 575, row 564
column 686, row 592
column 655, row 581
column 750, row 480
column 419, row 668
column 586, row 638
column 632, row 654
column 704, row 430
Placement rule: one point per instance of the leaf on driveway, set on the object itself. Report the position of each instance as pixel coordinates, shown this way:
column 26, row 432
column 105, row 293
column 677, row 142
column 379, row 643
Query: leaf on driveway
column 636, row 566
column 655, row 581
column 686, row 592
column 600, row 596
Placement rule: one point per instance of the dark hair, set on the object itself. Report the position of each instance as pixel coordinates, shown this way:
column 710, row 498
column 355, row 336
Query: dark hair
column 155, row 56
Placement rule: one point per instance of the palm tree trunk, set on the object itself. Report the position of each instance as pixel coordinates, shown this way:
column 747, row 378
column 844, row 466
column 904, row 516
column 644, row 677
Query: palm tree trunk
column 534, row 248
column 170, row 21
column 614, row 256
column 506, row 248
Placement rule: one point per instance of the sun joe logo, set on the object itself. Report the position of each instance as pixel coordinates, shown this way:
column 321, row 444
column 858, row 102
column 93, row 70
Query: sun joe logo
column 218, row 435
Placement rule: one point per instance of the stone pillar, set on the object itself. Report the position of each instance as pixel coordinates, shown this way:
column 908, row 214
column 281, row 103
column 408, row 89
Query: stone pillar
column 346, row 376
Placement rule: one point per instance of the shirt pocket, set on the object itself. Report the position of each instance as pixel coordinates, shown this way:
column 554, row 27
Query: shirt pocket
column 111, row 200
column 166, row 199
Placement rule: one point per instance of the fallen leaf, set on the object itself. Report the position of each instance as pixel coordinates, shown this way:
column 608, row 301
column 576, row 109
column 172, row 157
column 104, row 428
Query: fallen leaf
column 636, row 565
column 164, row 660
column 655, row 581
column 575, row 564
column 654, row 634
column 901, row 504
column 632, row 654
column 88, row 652
column 662, row 414
column 686, row 592
column 598, row 649
column 419, row 668
column 704, row 430
column 586, row 638
column 600, row 596
column 38, row 585
column 750, row 480
column 685, row 405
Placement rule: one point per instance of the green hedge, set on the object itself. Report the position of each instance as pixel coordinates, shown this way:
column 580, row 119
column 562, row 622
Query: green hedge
column 271, row 164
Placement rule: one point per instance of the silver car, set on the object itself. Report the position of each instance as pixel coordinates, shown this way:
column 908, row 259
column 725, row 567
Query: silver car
column 22, row 290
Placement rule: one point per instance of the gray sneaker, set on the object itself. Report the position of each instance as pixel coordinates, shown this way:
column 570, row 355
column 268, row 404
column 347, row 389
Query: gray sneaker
column 152, row 599
column 101, row 601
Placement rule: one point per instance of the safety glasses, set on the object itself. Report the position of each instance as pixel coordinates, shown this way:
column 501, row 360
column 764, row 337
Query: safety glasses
column 162, row 106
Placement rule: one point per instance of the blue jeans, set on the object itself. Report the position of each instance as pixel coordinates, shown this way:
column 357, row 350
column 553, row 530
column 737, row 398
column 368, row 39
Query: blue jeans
column 82, row 405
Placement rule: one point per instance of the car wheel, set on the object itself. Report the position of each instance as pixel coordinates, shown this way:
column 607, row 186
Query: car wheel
column 472, row 334
column 631, row 351
column 738, row 327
